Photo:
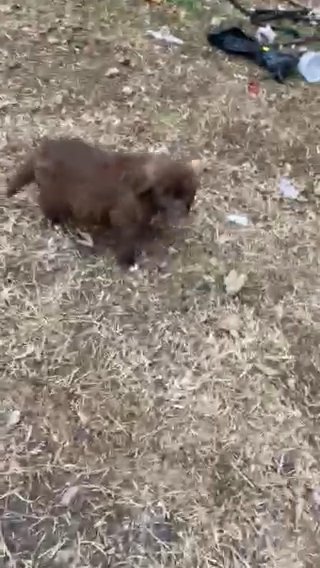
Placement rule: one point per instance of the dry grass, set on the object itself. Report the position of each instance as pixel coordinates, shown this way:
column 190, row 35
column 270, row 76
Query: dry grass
column 135, row 431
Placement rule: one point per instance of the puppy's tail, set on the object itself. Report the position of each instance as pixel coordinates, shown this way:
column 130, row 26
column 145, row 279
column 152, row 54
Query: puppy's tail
column 22, row 177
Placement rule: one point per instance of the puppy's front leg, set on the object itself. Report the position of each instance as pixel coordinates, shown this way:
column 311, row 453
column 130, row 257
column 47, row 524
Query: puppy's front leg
column 127, row 250
column 127, row 221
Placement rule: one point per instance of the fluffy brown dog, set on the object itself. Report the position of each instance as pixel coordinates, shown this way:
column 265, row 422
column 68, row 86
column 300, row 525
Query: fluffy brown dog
column 93, row 187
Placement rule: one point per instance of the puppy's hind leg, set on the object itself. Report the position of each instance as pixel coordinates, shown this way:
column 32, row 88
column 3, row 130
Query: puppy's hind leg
column 23, row 176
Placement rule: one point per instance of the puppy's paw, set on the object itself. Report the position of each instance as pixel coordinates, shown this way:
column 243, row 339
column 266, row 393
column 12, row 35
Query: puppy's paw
column 127, row 259
column 134, row 267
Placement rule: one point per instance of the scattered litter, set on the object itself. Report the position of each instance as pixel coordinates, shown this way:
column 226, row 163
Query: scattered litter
column 234, row 282
column 230, row 323
column 165, row 36
column 13, row 419
column 287, row 189
column 238, row 219
column 253, row 88
column 234, row 41
column 309, row 66
column 112, row 72
column 69, row 495
column 265, row 35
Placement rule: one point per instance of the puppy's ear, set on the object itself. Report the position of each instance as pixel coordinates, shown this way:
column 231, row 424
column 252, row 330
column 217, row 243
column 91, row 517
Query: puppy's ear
column 198, row 166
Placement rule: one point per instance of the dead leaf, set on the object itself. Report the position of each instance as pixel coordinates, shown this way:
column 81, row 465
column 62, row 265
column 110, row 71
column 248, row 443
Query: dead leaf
column 230, row 323
column 234, row 282
column 68, row 495
column 85, row 239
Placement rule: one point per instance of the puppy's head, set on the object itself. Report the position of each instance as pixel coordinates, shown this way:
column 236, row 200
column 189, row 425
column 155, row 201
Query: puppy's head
column 174, row 185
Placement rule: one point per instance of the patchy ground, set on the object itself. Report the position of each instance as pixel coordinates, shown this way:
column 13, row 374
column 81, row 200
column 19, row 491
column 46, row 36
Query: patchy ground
column 150, row 419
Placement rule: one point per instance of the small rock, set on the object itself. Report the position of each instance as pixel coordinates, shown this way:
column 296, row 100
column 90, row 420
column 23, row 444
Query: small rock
column 13, row 418
column 112, row 72
column 234, row 282
column 127, row 90
column 53, row 40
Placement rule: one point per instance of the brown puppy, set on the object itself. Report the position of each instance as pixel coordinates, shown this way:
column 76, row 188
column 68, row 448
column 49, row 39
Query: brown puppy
column 92, row 187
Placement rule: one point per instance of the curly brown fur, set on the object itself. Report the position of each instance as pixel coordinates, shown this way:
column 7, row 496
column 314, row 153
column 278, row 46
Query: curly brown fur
column 93, row 187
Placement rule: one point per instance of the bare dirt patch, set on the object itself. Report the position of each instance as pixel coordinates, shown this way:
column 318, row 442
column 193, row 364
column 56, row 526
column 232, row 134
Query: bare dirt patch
column 151, row 419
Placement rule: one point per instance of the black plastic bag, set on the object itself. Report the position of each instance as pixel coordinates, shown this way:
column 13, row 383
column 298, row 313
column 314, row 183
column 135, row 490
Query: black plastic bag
column 235, row 42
